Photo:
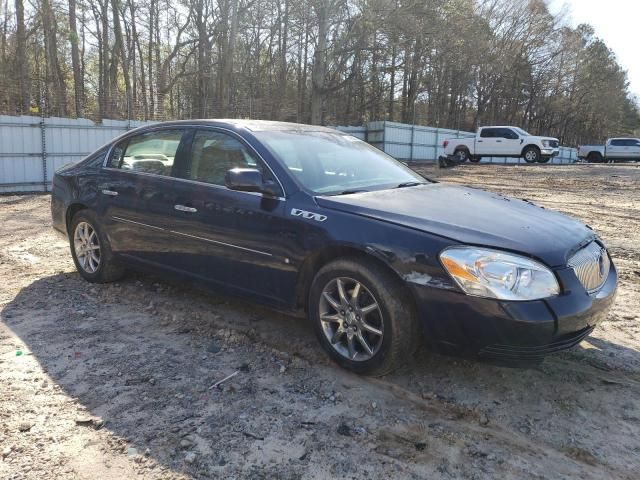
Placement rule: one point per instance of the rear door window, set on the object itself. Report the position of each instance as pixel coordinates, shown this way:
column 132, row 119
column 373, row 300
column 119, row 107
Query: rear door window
column 618, row 143
column 153, row 152
column 489, row 132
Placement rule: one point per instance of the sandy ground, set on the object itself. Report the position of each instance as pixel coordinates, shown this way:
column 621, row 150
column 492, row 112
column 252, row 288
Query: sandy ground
column 113, row 381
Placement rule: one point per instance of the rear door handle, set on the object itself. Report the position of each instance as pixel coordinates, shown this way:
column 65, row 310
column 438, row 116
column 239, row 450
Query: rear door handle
column 184, row 208
column 111, row 193
column 498, row 141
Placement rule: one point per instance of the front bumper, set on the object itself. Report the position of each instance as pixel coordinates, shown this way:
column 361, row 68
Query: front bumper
column 513, row 331
column 550, row 152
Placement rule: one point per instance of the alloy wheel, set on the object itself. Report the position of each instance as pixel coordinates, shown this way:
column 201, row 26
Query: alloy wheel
column 351, row 319
column 87, row 247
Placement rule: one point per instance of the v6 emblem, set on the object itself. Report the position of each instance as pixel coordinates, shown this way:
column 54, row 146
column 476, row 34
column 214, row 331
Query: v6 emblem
column 296, row 212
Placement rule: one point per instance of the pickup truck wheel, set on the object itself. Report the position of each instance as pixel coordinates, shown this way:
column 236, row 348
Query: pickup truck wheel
column 594, row 157
column 363, row 316
column 531, row 154
column 462, row 154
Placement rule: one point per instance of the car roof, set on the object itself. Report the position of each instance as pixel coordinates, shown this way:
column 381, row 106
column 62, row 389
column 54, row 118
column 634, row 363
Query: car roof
column 254, row 125
column 500, row 126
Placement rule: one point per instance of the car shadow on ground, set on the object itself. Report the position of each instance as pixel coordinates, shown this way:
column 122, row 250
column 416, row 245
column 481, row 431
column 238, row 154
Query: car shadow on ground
column 143, row 354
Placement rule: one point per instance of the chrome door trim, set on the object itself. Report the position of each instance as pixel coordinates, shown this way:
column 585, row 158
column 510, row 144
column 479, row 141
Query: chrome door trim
column 125, row 220
column 196, row 182
column 181, row 234
column 220, row 243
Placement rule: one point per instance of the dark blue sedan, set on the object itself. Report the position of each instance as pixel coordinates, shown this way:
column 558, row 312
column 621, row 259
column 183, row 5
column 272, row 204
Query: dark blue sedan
column 320, row 223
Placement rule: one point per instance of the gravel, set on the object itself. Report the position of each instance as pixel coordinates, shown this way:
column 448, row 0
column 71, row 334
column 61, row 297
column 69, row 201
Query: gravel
column 138, row 358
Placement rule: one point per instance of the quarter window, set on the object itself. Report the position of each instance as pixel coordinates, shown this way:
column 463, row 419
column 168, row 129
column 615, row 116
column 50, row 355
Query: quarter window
column 213, row 154
column 152, row 152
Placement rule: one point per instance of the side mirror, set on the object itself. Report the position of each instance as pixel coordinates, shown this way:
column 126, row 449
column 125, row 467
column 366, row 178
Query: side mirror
column 249, row 180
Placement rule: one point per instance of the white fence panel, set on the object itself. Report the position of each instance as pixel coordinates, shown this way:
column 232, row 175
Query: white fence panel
column 32, row 148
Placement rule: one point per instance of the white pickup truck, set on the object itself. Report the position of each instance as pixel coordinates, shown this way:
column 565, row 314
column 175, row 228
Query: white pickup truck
column 614, row 149
column 502, row 142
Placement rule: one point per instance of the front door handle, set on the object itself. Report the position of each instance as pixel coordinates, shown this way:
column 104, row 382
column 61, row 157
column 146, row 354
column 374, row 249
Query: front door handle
column 184, row 208
column 498, row 141
column 111, row 193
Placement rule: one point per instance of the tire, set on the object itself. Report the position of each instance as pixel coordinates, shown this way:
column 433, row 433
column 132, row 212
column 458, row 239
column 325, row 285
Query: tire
column 595, row 157
column 91, row 251
column 475, row 159
column 335, row 324
column 462, row 154
column 544, row 159
column 531, row 154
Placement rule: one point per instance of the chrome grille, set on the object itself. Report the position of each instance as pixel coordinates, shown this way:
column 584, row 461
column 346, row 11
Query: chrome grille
column 591, row 265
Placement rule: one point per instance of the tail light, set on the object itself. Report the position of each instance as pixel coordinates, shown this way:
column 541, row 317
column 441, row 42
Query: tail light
column 446, row 142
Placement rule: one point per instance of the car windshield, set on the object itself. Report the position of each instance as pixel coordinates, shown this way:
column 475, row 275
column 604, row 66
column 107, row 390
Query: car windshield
column 522, row 132
column 333, row 163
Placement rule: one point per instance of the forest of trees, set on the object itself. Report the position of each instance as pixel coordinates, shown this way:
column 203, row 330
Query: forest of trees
column 448, row 63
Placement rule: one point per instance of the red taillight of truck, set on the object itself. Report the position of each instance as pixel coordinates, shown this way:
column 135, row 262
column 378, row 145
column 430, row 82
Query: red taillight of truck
column 446, row 142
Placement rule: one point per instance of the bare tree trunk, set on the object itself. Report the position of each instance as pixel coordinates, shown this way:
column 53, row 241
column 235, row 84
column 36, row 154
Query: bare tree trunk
column 21, row 60
column 51, row 49
column 105, row 97
column 227, row 54
column 152, row 8
column 78, row 81
column 136, row 42
column 120, row 50
column 319, row 73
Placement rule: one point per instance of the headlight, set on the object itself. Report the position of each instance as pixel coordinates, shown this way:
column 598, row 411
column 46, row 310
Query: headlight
column 546, row 143
column 490, row 273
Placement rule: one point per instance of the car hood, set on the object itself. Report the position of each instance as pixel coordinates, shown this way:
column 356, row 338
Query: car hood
column 544, row 138
column 471, row 216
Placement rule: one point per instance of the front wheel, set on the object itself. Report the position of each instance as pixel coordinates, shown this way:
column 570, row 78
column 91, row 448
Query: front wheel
column 531, row 154
column 362, row 316
column 91, row 251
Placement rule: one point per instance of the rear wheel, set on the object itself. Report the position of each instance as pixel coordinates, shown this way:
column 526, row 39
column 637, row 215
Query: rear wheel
column 531, row 154
column 461, row 154
column 362, row 317
column 91, row 251
column 595, row 157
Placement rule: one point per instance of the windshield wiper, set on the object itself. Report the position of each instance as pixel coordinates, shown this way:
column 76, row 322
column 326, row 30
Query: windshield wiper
column 409, row 184
column 355, row 190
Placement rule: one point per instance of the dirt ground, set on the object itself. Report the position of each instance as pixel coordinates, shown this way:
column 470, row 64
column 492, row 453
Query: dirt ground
column 114, row 381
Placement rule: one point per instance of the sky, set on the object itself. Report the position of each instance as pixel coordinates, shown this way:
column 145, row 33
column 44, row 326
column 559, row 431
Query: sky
column 617, row 22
